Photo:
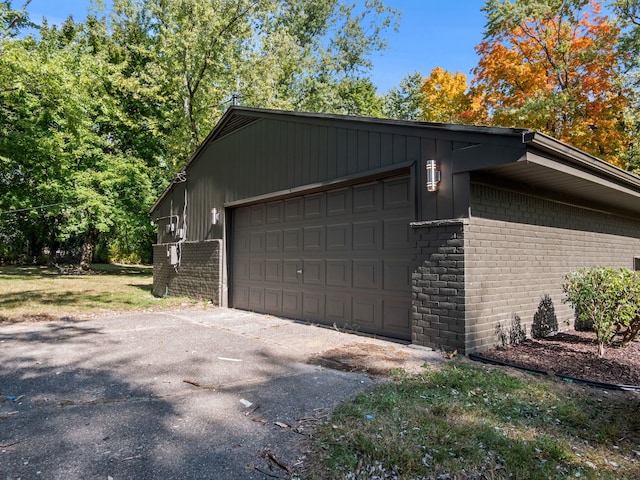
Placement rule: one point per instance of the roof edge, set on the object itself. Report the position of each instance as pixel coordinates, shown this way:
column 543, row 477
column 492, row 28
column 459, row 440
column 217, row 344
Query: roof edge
column 579, row 157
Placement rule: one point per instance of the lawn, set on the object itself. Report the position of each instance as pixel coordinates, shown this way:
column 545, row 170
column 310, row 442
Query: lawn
column 469, row 421
column 36, row 292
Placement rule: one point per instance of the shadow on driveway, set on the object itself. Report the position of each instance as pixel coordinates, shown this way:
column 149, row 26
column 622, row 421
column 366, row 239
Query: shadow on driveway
column 157, row 396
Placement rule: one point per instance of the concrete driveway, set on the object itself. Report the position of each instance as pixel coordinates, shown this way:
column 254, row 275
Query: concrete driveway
column 194, row 394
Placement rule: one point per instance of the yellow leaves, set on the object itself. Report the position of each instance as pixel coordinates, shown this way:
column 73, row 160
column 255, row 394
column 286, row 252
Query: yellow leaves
column 445, row 96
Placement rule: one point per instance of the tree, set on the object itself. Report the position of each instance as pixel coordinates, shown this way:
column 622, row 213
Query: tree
column 406, row 101
column 445, row 96
column 299, row 54
column 96, row 117
column 553, row 66
column 628, row 16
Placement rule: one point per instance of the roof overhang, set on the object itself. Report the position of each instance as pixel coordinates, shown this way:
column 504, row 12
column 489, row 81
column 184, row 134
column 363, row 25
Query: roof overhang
column 566, row 173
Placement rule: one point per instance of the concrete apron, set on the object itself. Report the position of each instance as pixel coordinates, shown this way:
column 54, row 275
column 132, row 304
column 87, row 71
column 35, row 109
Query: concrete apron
column 187, row 394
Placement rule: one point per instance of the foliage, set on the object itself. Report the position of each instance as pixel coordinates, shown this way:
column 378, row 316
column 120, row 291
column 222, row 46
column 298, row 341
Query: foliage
column 97, row 117
column 513, row 335
column 554, row 66
column 607, row 298
column 545, row 321
column 467, row 421
column 445, row 96
column 406, row 101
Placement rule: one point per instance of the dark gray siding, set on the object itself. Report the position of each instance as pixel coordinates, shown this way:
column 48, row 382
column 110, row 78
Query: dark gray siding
column 277, row 155
column 519, row 247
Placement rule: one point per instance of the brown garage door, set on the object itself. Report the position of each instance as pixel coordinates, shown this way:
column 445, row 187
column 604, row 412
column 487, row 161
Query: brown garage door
column 341, row 256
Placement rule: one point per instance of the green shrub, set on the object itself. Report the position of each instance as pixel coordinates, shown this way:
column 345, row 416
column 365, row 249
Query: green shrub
column 514, row 335
column 545, row 321
column 607, row 298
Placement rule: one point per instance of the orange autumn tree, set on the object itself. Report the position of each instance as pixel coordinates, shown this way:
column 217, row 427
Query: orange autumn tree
column 445, row 96
column 553, row 66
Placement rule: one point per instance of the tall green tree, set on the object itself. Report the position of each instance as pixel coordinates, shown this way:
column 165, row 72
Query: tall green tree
column 96, row 117
column 405, row 101
column 298, row 54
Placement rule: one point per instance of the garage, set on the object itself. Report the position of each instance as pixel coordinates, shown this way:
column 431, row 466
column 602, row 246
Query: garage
column 440, row 234
column 339, row 256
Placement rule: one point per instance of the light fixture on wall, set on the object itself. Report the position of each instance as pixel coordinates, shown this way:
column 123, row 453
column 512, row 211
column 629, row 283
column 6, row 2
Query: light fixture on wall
column 215, row 216
column 433, row 176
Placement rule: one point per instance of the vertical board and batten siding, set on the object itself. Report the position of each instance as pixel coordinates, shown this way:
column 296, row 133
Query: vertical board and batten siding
column 270, row 156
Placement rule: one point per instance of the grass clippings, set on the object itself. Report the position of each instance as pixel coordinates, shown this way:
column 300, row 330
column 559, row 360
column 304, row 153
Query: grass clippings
column 464, row 421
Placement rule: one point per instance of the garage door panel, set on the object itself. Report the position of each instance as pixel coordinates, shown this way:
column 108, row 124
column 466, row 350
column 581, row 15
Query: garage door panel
column 273, row 300
column 313, row 306
column 257, row 244
column 396, row 194
column 256, row 270
column 339, row 202
column 273, row 241
column 396, row 318
column 258, row 215
column 365, row 235
column 367, row 312
column 292, row 303
column 275, row 212
column 313, row 239
column 290, row 271
column 365, row 198
column 339, row 237
column 293, row 209
column 338, row 273
column 314, row 206
column 313, row 272
column 242, row 243
column 241, row 297
column 338, row 308
column 241, row 268
column 366, row 274
column 273, row 271
column 242, row 217
column 339, row 256
column 292, row 240
column 256, row 298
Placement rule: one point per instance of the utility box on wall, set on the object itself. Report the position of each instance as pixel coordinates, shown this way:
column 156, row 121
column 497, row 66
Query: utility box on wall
column 173, row 255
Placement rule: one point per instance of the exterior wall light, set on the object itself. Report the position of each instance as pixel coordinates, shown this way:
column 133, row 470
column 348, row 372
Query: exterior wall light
column 215, row 216
column 433, row 176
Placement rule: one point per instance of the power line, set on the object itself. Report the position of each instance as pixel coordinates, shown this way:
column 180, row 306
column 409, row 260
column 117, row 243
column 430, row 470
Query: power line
column 41, row 207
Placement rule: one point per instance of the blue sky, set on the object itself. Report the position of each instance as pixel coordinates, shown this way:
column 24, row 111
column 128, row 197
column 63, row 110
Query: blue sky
column 433, row 33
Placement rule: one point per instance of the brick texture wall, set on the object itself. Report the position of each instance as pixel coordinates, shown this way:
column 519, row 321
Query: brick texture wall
column 518, row 248
column 198, row 275
column 438, row 285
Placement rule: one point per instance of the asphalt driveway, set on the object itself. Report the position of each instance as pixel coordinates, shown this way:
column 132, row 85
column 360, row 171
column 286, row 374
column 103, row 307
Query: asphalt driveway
column 213, row 394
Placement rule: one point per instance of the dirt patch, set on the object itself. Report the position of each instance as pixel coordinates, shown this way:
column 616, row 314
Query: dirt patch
column 574, row 354
column 370, row 359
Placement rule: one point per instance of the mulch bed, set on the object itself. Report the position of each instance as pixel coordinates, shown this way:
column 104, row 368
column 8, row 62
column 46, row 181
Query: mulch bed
column 574, row 354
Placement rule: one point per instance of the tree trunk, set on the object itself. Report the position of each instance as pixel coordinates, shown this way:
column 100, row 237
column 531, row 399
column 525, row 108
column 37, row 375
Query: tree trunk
column 88, row 248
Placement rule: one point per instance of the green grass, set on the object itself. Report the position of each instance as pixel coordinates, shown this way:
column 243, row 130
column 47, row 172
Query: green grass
column 467, row 421
column 28, row 292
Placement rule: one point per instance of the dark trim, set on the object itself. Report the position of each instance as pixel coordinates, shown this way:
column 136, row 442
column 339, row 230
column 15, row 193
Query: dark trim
column 579, row 158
